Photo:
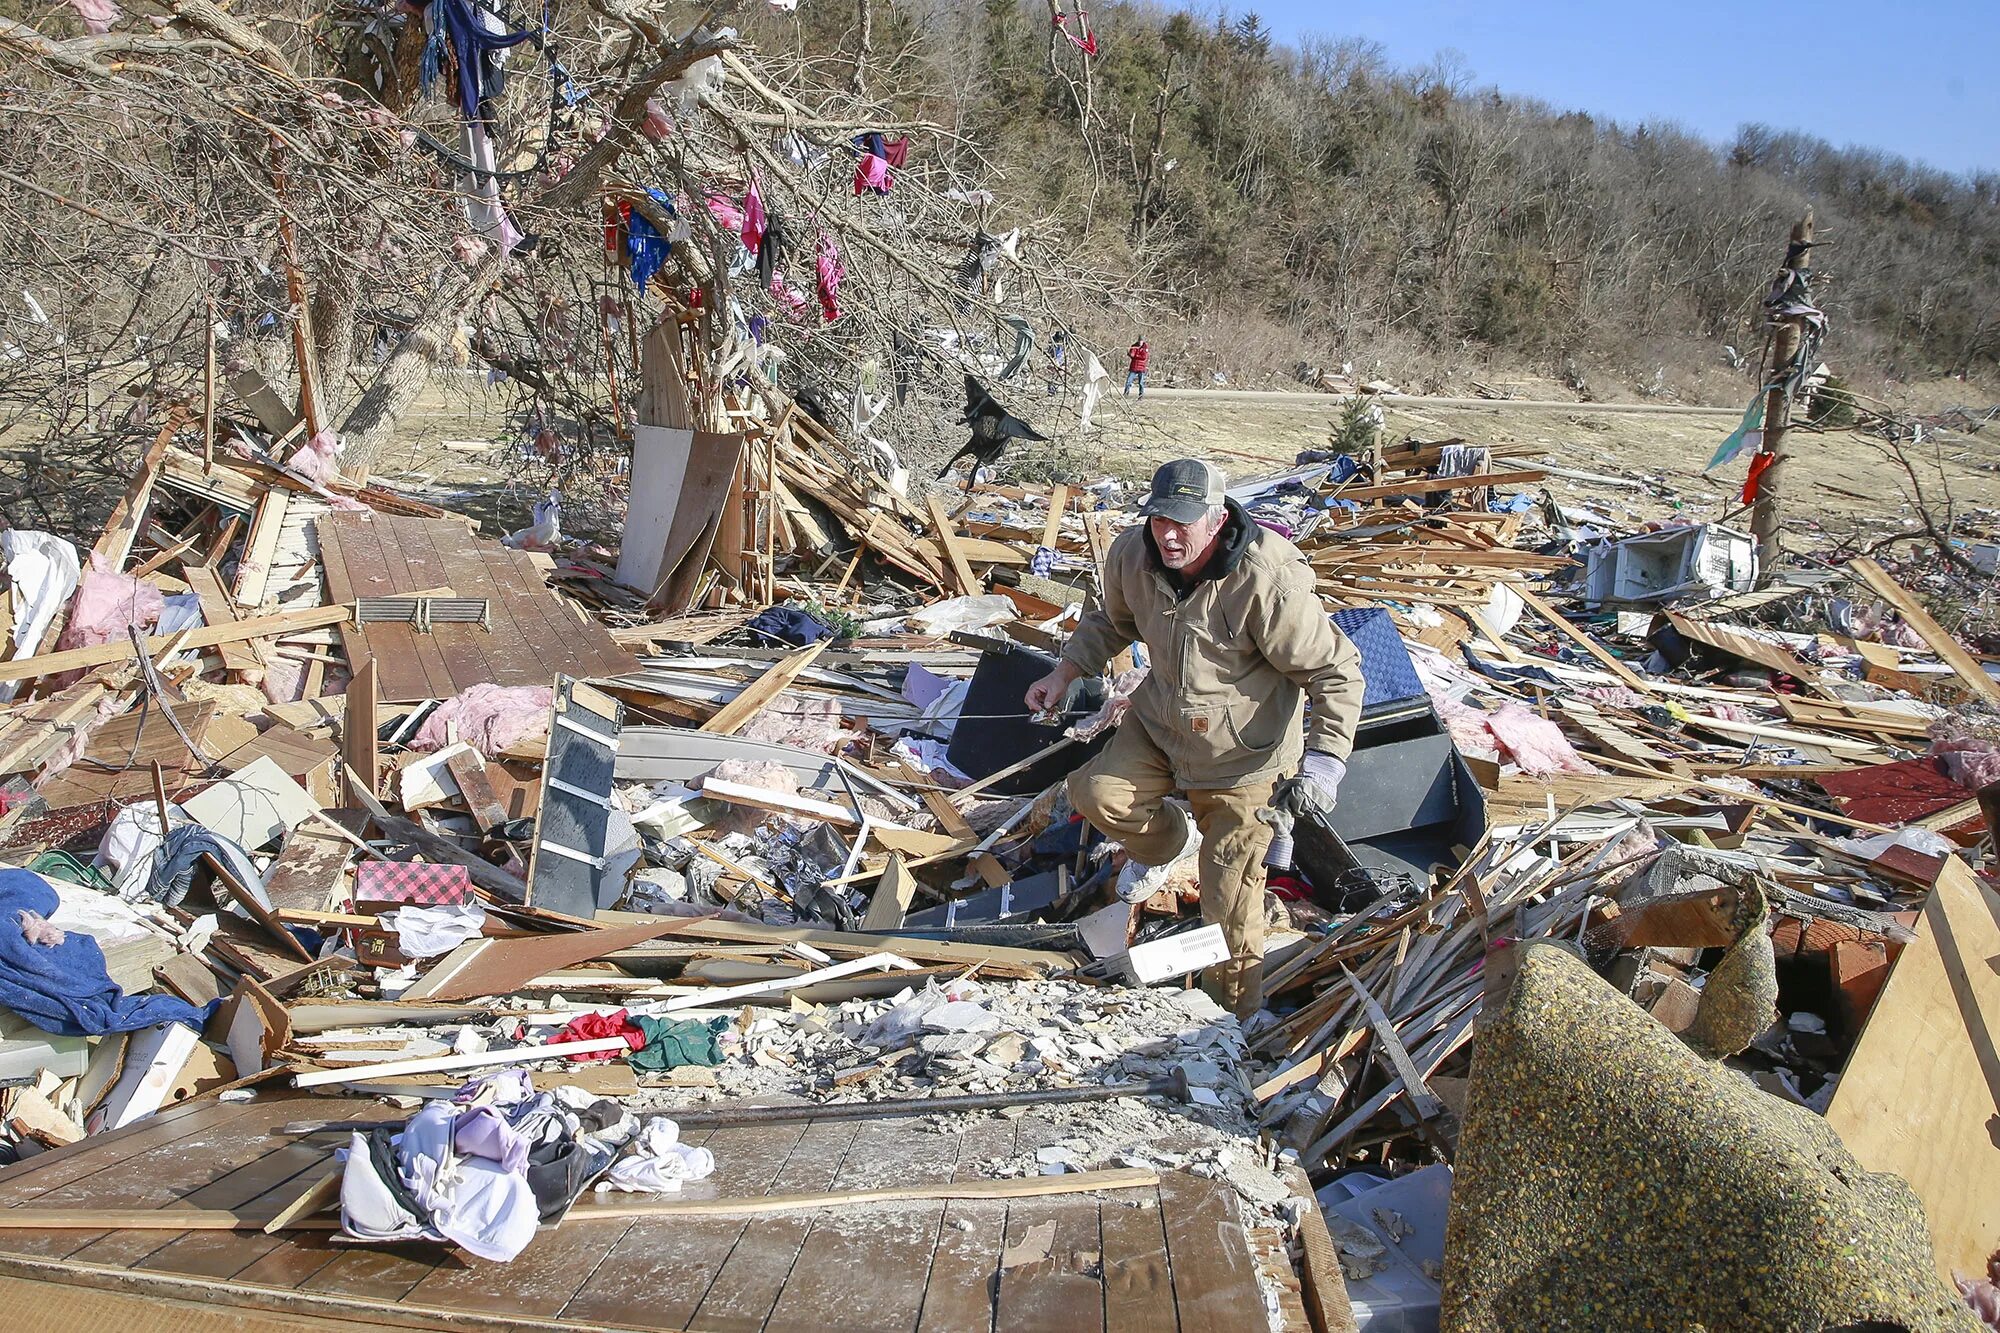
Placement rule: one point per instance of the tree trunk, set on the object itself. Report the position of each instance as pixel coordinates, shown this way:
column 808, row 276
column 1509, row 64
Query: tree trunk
column 407, row 373
column 336, row 304
column 1785, row 341
column 864, row 23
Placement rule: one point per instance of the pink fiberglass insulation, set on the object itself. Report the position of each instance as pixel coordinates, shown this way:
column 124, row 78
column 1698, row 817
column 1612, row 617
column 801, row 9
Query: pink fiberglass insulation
column 317, row 460
column 1536, row 744
column 1467, row 728
column 107, row 606
column 490, row 718
column 1973, row 761
column 806, row 724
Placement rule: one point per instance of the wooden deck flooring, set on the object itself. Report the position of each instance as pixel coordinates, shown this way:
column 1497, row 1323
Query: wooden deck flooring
column 533, row 634
column 1173, row 1257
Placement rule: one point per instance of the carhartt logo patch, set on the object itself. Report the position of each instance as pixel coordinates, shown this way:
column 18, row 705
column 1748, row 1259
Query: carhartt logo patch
column 1199, row 726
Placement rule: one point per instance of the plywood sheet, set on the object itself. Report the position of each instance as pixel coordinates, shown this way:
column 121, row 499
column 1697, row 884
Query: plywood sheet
column 485, row 967
column 1919, row 1092
column 659, row 463
column 117, row 764
column 534, row 635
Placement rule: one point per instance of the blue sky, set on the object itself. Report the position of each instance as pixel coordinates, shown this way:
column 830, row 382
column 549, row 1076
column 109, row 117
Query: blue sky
column 1907, row 78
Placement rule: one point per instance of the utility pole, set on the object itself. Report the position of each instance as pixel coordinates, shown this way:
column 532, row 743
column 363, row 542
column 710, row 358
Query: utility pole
column 1794, row 341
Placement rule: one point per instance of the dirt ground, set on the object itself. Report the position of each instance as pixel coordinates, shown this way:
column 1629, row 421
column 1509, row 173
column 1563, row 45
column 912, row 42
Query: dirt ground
column 1843, row 480
column 456, row 449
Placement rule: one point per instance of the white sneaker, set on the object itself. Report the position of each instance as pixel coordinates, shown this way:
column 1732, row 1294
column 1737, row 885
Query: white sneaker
column 1137, row 881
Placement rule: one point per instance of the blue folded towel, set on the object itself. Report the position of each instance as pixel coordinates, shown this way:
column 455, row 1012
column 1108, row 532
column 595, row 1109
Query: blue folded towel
column 64, row 988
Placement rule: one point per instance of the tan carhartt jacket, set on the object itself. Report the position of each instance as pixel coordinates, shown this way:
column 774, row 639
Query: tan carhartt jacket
column 1234, row 661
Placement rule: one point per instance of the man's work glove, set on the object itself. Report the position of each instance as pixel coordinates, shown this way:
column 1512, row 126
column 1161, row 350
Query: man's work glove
column 1315, row 788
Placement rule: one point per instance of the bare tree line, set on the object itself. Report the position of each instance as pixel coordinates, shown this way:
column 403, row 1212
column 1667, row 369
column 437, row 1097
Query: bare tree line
column 1366, row 205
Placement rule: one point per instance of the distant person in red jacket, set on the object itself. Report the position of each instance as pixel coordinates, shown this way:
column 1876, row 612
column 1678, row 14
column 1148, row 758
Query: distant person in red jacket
column 1135, row 367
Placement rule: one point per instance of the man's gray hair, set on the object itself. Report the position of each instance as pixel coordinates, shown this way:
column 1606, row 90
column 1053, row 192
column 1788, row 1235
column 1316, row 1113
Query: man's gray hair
column 1216, row 513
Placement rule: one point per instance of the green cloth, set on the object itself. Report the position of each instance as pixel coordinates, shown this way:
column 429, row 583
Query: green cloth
column 1749, row 433
column 671, row 1043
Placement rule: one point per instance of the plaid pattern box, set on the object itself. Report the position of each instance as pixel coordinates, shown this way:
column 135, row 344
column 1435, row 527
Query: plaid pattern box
column 415, row 883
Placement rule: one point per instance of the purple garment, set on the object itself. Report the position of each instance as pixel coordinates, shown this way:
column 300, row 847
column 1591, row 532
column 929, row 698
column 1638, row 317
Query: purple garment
column 482, row 1131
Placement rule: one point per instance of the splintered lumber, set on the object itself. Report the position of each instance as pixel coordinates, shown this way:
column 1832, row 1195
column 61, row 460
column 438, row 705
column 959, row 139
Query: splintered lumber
column 103, row 654
column 115, row 543
column 217, row 609
column 948, row 539
column 1748, row 647
column 1058, row 503
column 1569, row 631
column 260, row 548
column 993, row 959
column 1948, row 650
column 502, row 883
column 468, row 770
column 738, row 711
column 32, row 736
column 498, row 966
column 709, row 998
column 757, row 798
column 1324, row 1287
column 224, row 1219
column 892, row 896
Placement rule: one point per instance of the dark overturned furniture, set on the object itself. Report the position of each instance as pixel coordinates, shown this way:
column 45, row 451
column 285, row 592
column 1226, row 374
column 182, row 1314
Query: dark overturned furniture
column 1408, row 799
column 995, row 731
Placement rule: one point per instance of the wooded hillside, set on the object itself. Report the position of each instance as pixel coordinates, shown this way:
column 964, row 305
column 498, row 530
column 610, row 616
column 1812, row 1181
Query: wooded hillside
column 1374, row 212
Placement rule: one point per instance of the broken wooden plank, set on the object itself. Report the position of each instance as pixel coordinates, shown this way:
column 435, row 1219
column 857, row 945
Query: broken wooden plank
column 316, row 1078
column 948, row 540
column 468, row 770
column 1580, row 639
column 757, row 798
column 892, row 896
column 1432, row 485
column 260, row 548
column 485, row 967
column 103, row 654
column 738, row 711
column 218, row 609
column 1917, row 1095
column 360, row 748
column 1948, row 649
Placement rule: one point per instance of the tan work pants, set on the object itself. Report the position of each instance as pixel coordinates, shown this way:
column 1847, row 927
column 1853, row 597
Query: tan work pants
column 1123, row 791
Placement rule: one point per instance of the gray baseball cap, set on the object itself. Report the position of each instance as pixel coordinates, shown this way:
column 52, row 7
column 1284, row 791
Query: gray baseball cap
column 1184, row 490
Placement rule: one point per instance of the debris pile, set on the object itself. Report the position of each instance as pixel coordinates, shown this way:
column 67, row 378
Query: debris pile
column 314, row 792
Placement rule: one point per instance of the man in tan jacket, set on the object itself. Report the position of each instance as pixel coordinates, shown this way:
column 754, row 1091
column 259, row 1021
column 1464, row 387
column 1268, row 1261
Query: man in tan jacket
column 1238, row 642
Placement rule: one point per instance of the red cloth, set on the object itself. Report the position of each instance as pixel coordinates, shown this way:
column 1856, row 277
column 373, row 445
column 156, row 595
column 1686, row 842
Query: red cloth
column 896, row 151
column 872, row 173
column 592, row 1027
column 1759, row 464
column 753, row 218
column 416, row 883
column 1137, row 355
column 826, row 259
